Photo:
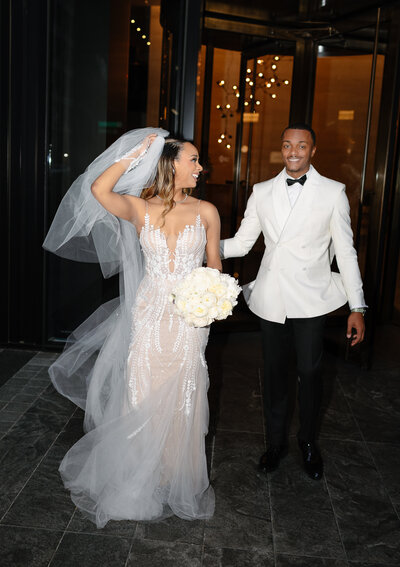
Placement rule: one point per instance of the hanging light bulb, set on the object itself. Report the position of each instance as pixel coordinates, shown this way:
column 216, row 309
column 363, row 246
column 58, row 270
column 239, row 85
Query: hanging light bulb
column 249, row 70
column 246, row 103
column 258, row 102
column 261, row 75
column 234, row 87
column 237, row 95
column 286, row 82
column 219, row 141
column 268, row 85
column 222, row 136
column 251, row 83
column 132, row 21
column 228, row 146
column 273, row 67
column 276, row 58
column 273, row 95
column 228, row 106
column 272, row 80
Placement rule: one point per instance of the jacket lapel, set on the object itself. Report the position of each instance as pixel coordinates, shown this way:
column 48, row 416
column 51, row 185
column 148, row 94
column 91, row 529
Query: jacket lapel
column 280, row 199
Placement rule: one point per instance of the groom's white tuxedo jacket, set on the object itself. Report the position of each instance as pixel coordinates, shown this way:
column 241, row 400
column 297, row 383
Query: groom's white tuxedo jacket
column 295, row 277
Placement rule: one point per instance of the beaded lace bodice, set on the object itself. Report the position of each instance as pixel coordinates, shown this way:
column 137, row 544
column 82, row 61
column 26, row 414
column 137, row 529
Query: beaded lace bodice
column 163, row 263
column 157, row 330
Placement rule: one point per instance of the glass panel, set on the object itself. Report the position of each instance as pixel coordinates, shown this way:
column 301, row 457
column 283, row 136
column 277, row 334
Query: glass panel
column 266, row 113
column 219, row 163
column 92, row 101
column 396, row 303
column 201, row 69
column 339, row 120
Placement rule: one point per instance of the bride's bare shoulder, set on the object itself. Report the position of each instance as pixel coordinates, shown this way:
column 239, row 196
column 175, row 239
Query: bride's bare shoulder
column 206, row 207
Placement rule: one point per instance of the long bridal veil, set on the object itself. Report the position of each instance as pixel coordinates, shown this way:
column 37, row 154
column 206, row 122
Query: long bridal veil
column 91, row 371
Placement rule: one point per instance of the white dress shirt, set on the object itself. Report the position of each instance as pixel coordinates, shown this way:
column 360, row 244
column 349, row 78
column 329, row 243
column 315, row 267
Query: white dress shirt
column 295, row 189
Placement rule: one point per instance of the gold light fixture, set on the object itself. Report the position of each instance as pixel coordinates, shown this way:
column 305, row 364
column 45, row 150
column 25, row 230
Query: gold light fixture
column 255, row 84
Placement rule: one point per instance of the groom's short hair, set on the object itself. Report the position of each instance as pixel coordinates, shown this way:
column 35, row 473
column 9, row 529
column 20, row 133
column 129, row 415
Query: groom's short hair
column 301, row 126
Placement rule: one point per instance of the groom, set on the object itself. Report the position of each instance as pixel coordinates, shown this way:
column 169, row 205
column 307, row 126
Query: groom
column 305, row 220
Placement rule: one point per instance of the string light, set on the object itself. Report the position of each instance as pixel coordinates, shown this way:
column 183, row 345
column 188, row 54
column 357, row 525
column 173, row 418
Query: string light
column 139, row 30
column 256, row 85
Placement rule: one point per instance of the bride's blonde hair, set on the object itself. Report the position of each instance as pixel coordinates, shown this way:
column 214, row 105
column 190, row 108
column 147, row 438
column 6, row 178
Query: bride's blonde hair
column 164, row 183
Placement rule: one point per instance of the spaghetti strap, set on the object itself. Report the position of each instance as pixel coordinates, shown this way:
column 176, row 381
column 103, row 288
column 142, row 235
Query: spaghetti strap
column 198, row 217
column 146, row 215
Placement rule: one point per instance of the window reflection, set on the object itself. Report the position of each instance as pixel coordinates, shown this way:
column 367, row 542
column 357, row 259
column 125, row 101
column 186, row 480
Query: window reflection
column 340, row 119
column 104, row 80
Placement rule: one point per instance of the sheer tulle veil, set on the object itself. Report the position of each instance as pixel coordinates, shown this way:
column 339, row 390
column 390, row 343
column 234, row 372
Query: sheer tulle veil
column 91, row 369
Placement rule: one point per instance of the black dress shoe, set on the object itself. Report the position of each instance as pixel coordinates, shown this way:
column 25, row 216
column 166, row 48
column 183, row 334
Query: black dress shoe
column 270, row 460
column 313, row 464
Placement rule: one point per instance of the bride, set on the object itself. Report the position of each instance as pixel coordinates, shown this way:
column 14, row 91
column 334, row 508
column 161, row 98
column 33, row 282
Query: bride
column 135, row 367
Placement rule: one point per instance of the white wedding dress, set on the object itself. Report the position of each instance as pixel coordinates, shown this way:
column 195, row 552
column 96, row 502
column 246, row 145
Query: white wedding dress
column 149, row 462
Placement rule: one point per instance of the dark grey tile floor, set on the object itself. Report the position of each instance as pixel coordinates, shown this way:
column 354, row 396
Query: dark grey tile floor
column 350, row 518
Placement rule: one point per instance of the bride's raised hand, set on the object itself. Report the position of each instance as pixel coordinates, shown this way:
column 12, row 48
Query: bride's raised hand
column 123, row 206
column 133, row 157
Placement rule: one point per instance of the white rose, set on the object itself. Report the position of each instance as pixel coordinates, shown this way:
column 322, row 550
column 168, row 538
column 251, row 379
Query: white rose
column 217, row 289
column 213, row 312
column 181, row 304
column 225, row 309
column 200, row 310
column 209, row 299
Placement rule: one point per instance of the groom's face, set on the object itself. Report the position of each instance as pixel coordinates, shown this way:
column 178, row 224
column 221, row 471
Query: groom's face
column 297, row 151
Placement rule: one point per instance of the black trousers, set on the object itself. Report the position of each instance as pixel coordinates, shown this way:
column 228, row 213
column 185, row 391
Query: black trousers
column 307, row 336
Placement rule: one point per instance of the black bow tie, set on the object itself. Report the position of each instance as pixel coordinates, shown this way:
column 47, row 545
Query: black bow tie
column 300, row 180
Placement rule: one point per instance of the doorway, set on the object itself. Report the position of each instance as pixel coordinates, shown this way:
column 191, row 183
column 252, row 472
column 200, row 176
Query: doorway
column 246, row 97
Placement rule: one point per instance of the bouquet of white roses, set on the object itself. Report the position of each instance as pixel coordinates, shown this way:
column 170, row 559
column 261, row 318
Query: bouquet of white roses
column 205, row 295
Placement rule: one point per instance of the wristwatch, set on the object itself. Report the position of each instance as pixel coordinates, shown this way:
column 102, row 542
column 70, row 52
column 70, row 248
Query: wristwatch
column 359, row 310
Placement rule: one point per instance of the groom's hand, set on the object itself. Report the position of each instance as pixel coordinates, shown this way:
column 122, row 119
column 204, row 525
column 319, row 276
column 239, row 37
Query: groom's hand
column 355, row 321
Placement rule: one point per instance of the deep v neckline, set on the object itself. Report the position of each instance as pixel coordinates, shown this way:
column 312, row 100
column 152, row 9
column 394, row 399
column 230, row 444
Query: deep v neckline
column 165, row 237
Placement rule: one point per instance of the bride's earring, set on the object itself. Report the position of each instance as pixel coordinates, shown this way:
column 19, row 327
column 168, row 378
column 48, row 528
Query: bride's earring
column 173, row 171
